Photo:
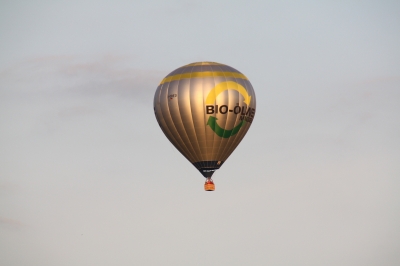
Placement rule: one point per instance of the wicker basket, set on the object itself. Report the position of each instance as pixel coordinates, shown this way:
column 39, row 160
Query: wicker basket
column 209, row 187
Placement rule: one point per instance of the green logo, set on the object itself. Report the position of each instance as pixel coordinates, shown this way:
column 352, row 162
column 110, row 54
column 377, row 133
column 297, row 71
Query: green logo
column 246, row 113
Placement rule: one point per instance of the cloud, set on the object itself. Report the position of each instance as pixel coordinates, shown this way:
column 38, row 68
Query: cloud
column 58, row 75
column 43, row 94
column 10, row 223
column 7, row 187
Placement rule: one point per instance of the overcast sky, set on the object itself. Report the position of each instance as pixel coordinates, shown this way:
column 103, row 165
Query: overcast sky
column 88, row 178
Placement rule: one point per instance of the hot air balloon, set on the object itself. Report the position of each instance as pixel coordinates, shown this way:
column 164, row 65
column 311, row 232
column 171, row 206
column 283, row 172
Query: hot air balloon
column 205, row 109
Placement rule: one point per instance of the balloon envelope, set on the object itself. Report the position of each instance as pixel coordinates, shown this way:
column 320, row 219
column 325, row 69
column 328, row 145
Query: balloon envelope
column 205, row 109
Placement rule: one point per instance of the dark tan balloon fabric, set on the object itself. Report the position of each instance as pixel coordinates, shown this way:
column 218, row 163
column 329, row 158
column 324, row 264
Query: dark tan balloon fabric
column 205, row 110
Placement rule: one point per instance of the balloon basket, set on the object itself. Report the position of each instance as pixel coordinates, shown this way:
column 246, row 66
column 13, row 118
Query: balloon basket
column 209, row 185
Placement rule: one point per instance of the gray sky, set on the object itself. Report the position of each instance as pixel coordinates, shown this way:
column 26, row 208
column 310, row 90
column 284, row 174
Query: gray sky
column 88, row 178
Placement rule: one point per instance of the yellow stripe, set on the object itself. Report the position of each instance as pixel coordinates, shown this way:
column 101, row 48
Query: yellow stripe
column 205, row 74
